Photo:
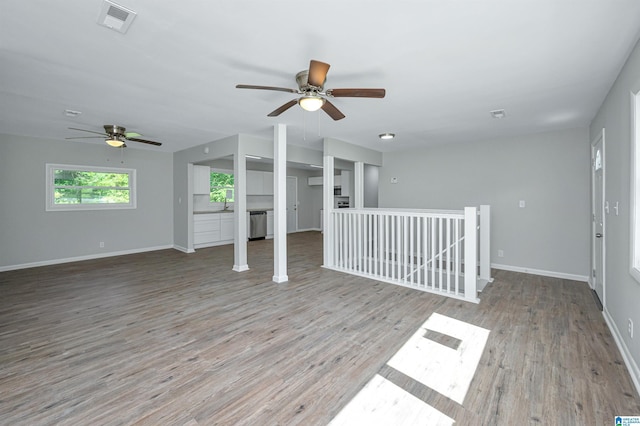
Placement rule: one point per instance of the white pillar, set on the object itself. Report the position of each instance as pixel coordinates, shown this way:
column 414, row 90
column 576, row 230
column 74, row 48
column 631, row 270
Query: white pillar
column 240, row 211
column 485, row 243
column 327, row 206
column 280, row 203
column 358, row 176
column 470, row 254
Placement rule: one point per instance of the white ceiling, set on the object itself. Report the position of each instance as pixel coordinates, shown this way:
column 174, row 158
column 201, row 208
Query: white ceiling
column 444, row 63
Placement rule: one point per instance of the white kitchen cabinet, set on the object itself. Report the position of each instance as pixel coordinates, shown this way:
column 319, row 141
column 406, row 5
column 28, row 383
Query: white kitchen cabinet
column 254, row 182
column 206, row 229
column 345, row 187
column 226, row 226
column 269, row 223
column 201, row 180
column 259, row 183
column 267, row 183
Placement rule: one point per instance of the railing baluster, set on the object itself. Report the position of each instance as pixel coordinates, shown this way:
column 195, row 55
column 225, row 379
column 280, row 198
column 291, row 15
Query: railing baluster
column 411, row 248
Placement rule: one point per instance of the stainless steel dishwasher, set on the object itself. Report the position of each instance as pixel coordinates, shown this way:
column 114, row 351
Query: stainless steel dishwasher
column 257, row 225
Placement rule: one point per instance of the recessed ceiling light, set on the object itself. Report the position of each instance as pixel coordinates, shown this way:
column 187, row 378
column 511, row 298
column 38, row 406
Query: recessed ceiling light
column 71, row 113
column 386, row 136
column 498, row 113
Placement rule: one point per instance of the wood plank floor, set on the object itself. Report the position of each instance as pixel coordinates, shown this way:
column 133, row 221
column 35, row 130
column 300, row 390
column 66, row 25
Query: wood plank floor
column 166, row 338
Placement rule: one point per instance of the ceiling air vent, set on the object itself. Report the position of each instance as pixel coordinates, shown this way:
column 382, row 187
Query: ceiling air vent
column 116, row 17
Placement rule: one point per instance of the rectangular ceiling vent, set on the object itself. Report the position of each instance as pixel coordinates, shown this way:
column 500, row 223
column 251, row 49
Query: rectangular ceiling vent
column 116, row 17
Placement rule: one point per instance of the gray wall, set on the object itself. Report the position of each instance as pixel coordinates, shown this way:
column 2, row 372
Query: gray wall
column 29, row 235
column 549, row 171
column 622, row 291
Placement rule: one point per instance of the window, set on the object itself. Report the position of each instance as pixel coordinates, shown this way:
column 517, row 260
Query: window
column 635, row 187
column 221, row 187
column 89, row 188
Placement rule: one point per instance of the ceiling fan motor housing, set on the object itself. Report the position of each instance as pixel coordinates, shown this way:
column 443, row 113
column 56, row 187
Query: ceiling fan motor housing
column 114, row 130
column 302, row 78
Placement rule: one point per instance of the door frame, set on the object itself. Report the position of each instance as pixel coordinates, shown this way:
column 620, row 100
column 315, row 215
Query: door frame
column 295, row 180
column 602, row 208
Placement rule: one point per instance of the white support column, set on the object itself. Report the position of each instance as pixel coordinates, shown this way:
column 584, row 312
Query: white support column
column 485, row 244
column 240, row 211
column 280, row 203
column 470, row 253
column 327, row 203
column 358, row 175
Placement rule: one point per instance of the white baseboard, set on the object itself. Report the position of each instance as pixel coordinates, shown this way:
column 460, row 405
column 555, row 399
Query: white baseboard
column 634, row 371
column 80, row 258
column 552, row 274
column 183, row 249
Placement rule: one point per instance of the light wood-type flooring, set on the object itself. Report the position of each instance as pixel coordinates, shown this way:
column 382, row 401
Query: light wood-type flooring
column 167, row 338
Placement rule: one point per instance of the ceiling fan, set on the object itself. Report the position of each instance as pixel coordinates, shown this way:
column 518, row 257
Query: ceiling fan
column 311, row 87
column 115, row 136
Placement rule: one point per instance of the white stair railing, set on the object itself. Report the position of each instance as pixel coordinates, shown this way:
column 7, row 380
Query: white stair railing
column 430, row 250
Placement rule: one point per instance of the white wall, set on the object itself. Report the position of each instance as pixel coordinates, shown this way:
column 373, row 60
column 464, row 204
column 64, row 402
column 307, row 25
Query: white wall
column 622, row 291
column 549, row 171
column 30, row 236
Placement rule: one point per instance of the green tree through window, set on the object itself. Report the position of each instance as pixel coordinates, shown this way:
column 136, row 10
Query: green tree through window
column 220, row 183
column 89, row 187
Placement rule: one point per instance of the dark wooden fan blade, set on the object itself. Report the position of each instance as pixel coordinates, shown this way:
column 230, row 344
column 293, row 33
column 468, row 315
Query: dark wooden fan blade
column 144, row 141
column 279, row 89
column 317, row 73
column 333, row 112
column 282, row 109
column 356, row 93
column 90, row 131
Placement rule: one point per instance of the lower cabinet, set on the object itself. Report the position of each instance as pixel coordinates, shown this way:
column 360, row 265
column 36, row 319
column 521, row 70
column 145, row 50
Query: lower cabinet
column 212, row 229
column 269, row 223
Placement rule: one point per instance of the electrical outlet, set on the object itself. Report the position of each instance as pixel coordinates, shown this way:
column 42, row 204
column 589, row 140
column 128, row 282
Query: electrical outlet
column 101, row 244
column 630, row 328
column 394, row 180
column 522, row 204
column 500, row 253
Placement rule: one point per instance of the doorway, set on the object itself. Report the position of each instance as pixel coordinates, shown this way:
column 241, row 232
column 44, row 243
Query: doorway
column 292, row 204
column 598, row 226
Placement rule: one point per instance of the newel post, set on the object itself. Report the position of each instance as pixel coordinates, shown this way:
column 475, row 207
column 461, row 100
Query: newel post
column 470, row 253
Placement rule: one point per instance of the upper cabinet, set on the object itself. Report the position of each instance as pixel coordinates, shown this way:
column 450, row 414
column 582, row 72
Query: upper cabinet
column 201, row 180
column 259, row 183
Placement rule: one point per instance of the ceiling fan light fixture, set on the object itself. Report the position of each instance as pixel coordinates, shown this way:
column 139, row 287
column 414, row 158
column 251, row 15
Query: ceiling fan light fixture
column 311, row 102
column 114, row 141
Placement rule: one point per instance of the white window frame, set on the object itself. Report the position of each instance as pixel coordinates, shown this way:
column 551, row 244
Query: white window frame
column 50, row 188
column 635, row 187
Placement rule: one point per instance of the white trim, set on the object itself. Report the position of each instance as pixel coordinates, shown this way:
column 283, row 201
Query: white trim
column 603, row 214
column 627, row 356
column 541, row 272
column 240, row 268
column 183, row 249
column 50, row 205
column 634, row 269
column 81, row 258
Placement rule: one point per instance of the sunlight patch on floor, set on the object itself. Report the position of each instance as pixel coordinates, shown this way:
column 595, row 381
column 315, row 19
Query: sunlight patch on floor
column 381, row 402
column 443, row 355
column 446, row 370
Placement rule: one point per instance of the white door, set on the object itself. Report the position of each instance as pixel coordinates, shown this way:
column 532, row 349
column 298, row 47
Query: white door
column 292, row 203
column 597, row 215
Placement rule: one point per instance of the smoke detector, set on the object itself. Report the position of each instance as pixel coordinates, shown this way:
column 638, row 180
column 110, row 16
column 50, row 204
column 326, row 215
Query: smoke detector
column 497, row 113
column 116, row 17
